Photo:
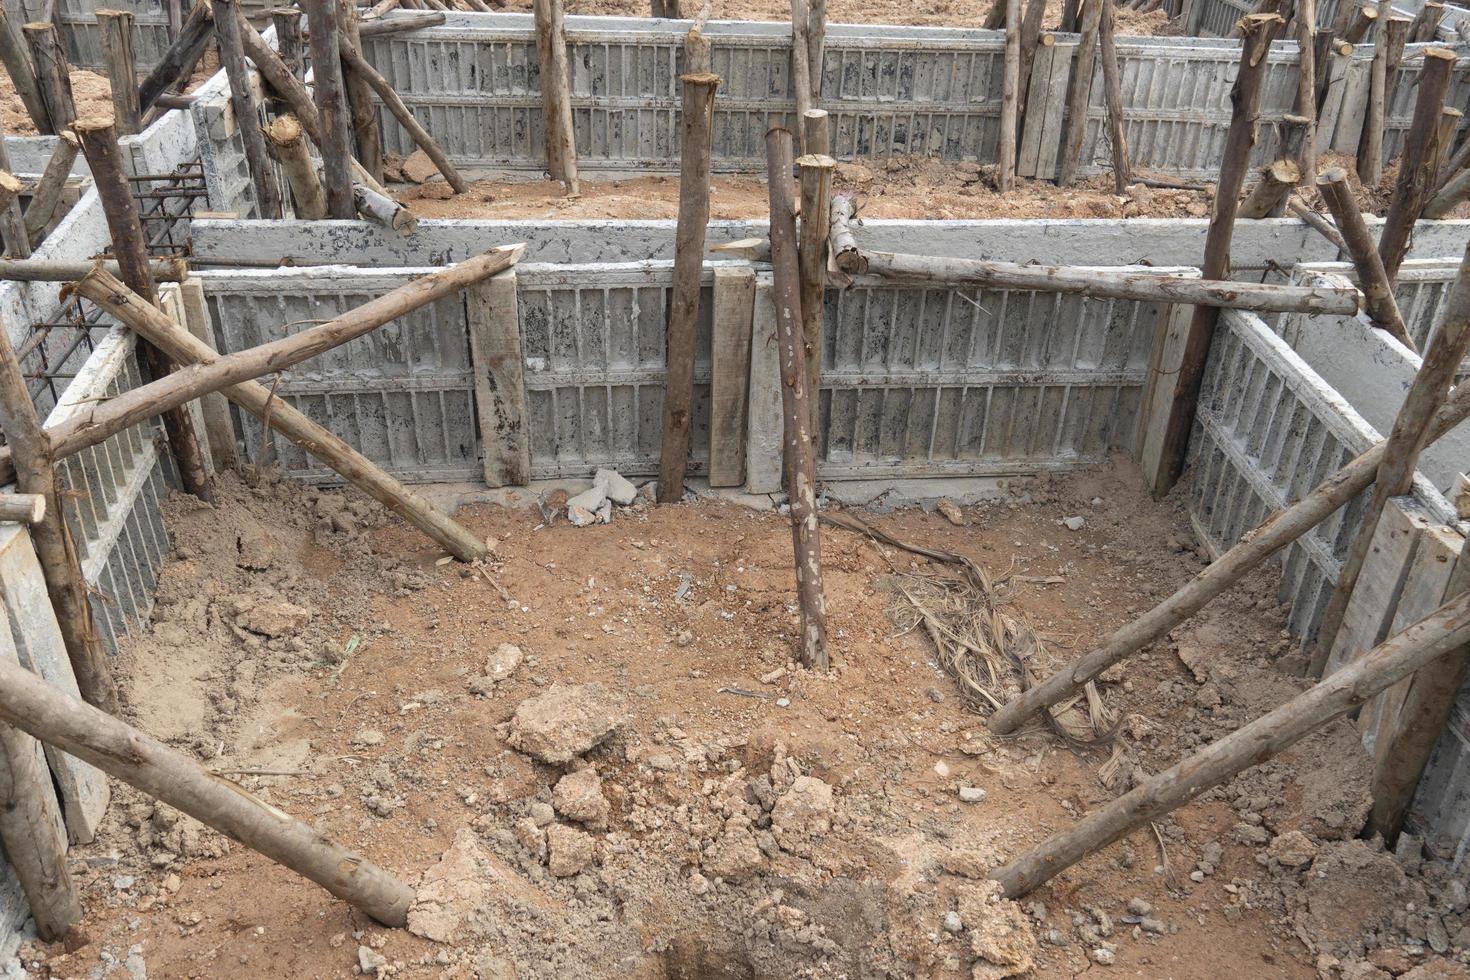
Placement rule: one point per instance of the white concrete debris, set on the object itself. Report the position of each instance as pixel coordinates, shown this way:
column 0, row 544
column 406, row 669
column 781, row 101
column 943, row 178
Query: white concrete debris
column 1074, row 523
column 619, row 489
column 595, row 504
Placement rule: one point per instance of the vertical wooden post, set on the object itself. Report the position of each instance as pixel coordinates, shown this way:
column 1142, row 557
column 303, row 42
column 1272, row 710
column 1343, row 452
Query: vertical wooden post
column 287, row 21
column 17, row 61
column 816, row 129
column 698, row 58
column 12, row 222
column 556, row 93
column 694, row 171
column 1009, row 100
column 801, row 73
column 48, row 189
column 500, row 389
column 816, row 45
column 1370, row 145
column 1449, row 124
column 289, row 144
column 801, row 467
column 1245, row 98
column 1080, row 92
column 53, row 74
column 1378, row 299
column 1417, row 163
column 360, row 97
column 1442, row 357
column 1031, row 24
column 181, row 57
column 1071, row 13
column 219, row 428
column 29, row 822
column 734, row 307
column 247, row 111
column 1306, row 87
column 1113, row 96
column 104, row 157
column 116, row 30
column 817, row 172
column 1425, row 29
column 174, row 10
column 331, row 104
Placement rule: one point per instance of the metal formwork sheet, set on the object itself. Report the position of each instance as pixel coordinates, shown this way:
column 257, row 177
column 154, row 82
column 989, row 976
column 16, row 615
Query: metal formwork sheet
column 402, row 395
column 474, row 83
column 593, row 341
column 934, row 381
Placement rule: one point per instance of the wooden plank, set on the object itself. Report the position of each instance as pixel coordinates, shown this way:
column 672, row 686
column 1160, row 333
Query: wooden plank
column 218, row 426
column 1353, row 108
column 734, row 305
column 493, row 317
column 1053, row 94
column 1034, row 117
column 172, row 302
column 35, row 638
column 1423, row 592
column 1168, row 354
column 764, row 422
column 1369, row 613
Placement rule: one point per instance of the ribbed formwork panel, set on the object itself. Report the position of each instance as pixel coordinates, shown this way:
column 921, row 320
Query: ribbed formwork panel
column 115, row 491
column 77, row 20
column 222, row 154
column 1269, row 429
column 928, row 382
column 1441, row 807
column 474, row 84
column 403, row 394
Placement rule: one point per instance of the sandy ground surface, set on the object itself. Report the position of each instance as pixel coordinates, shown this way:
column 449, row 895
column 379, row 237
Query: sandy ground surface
column 717, row 811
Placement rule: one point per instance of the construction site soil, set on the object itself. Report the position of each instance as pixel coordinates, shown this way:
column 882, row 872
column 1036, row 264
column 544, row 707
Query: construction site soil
column 593, row 756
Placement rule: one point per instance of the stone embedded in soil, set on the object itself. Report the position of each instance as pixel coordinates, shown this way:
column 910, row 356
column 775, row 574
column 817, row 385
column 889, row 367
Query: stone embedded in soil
column 582, row 509
column 972, row 794
column 1074, row 523
column 950, row 512
column 1292, row 849
column 275, row 618
column 578, row 796
column 452, row 891
column 369, row 961
column 565, row 722
column 503, row 662
column 418, row 168
column 571, row 851
column 618, row 488
column 1000, row 935
column 804, row 810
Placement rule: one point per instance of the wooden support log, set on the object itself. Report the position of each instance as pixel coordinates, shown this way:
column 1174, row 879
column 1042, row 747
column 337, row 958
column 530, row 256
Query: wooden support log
column 400, row 24
column 1378, row 299
column 1365, row 18
column 1425, row 28
column 1009, row 103
column 289, row 41
column 818, row 170
column 1071, row 14
column 1370, row 144
column 841, row 244
column 227, row 18
column 689, row 234
column 109, row 175
column 172, row 100
column 1448, row 344
column 354, row 60
column 289, row 146
column 181, row 57
column 1417, row 164
column 10, row 186
column 801, row 75
column 1402, row 750
column 12, row 222
column 1447, row 629
column 360, row 96
column 1320, row 224
column 1397, row 35
column 15, row 55
column 816, row 46
column 556, row 94
column 1306, row 87
column 1270, row 536
column 1450, row 196
column 995, row 18
column 1143, row 286
column 53, row 73
column 1079, row 93
column 1323, row 44
column 1031, row 24
column 62, row 270
column 698, row 56
column 380, row 8
column 1113, row 98
column 310, row 437
column 1277, row 180
column 816, row 129
column 128, row 754
column 1449, row 124
column 1245, row 97
column 801, row 467
column 116, row 30
column 1343, row 19
column 29, row 822
column 335, row 137
column 35, row 473
column 382, row 209
column 22, row 508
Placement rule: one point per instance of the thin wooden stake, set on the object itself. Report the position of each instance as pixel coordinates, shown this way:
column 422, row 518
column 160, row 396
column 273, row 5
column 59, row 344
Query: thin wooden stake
column 1277, row 180
column 227, row 18
column 116, row 30
column 181, row 57
column 801, row 74
column 1370, row 144
column 1010, row 112
column 360, row 96
column 15, row 55
column 29, row 822
column 1080, row 92
column 104, row 157
column 689, row 235
column 335, row 141
column 1113, row 96
column 53, row 73
column 1378, row 298
column 289, row 146
column 354, row 59
column 1417, row 164
column 12, row 222
column 287, row 21
column 1306, row 86
column 801, row 467
column 556, row 94
column 816, row 46
column 1365, row 18
column 1031, row 24
column 817, row 173
column 1447, row 629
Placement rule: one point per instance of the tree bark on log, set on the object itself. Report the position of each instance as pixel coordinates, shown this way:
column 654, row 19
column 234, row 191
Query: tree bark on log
column 697, row 53
column 334, row 138
column 1447, row 629
column 400, row 24
column 1031, row 24
column 22, row 508
column 109, row 176
column 800, row 462
column 1417, row 163
column 116, row 30
column 1270, row 536
column 1306, row 86
column 135, row 758
column 29, row 819
column 1245, row 97
column 1144, row 286
column 15, row 55
column 1071, row 13
column 1449, row 124
column 227, row 18
column 354, row 60
column 1370, row 144
column 1321, row 225
column 816, row 46
column 64, row 270
column 556, row 94
column 382, row 209
column 12, row 223
column 1425, row 29
column 1378, row 298
column 1277, row 180
column 1113, row 97
column 181, row 57
column 289, row 145
column 310, row 437
column 818, row 170
column 1364, row 20
column 35, row 473
column 1450, row 196
column 689, row 235
column 801, row 73
column 1009, row 102
column 1080, row 92
column 360, row 96
column 1443, row 355
column 53, row 73
column 289, row 41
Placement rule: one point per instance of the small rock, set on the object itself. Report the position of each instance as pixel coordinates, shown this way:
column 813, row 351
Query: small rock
column 972, row 794
column 941, row 769
column 935, row 694
column 1292, row 849
column 1137, row 906
column 1155, row 926
column 542, row 813
column 1074, row 523
column 578, row 796
column 571, row 850
column 503, row 662
column 950, row 512
column 615, row 486
column 804, row 809
column 370, row 961
column 565, row 722
column 952, row 922
column 1102, row 956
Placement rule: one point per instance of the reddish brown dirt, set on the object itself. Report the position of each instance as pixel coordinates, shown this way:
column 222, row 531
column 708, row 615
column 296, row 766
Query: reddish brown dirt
column 365, row 722
column 91, row 92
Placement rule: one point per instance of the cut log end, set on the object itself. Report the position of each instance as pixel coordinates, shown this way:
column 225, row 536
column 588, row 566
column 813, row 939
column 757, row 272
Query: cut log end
column 284, row 130
column 706, row 78
column 93, row 124
column 10, row 184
